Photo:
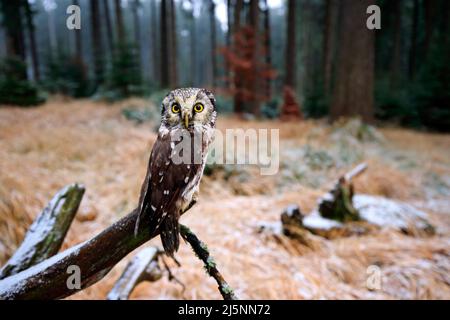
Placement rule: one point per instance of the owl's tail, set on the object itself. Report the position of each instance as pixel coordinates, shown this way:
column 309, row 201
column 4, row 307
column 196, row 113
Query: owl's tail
column 170, row 235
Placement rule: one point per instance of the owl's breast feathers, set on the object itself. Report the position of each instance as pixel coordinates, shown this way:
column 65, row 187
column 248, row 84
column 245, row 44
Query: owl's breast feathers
column 168, row 189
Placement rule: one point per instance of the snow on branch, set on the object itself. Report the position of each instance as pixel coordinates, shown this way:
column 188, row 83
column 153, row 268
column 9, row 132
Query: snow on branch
column 143, row 267
column 47, row 233
column 94, row 258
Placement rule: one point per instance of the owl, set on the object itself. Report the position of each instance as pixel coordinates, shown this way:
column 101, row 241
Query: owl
column 170, row 187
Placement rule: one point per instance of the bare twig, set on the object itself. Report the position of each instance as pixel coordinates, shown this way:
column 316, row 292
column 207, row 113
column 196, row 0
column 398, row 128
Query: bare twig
column 356, row 171
column 202, row 252
column 170, row 274
column 47, row 233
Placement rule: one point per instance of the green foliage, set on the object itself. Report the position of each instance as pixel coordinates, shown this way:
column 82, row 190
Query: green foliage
column 396, row 105
column 124, row 77
column 15, row 89
column 66, row 75
column 138, row 116
column 315, row 104
column 338, row 204
column 423, row 102
column 224, row 104
column 317, row 159
column 421, row 97
column 271, row 109
column 158, row 96
column 432, row 95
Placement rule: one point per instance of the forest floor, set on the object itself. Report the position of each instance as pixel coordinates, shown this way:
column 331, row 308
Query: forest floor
column 64, row 141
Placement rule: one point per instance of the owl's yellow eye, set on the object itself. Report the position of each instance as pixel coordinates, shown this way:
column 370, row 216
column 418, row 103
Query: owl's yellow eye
column 198, row 107
column 176, row 108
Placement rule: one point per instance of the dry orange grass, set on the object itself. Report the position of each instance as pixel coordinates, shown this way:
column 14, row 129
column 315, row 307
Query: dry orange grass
column 45, row 148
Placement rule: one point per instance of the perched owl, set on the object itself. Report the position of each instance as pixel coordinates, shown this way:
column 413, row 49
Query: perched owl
column 170, row 187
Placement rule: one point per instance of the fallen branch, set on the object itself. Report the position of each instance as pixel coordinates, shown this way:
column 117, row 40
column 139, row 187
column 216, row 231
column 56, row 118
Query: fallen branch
column 330, row 218
column 356, row 171
column 202, row 252
column 337, row 204
column 143, row 267
column 47, row 233
column 94, row 258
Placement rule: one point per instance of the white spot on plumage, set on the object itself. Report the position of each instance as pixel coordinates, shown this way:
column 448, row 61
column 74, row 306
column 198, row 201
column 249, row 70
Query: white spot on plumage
column 153, row 208
column 186, row 180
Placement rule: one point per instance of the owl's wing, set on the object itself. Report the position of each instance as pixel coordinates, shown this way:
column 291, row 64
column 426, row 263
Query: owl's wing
column 163, row 187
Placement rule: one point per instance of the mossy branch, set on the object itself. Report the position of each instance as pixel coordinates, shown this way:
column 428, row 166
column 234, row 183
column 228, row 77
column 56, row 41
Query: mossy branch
column 47, row 233
column 94, row 258
column 202, row 252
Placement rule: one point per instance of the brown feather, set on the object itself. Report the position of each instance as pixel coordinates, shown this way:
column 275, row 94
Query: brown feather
column 162, row 190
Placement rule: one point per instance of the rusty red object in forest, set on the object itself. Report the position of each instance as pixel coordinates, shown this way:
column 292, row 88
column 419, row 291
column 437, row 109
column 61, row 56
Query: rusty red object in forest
column 290, row 110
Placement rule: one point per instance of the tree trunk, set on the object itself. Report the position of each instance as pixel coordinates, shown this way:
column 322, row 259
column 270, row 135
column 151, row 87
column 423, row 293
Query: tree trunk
column 173, row 45
column 228, row 44
column 164, row 46
column 212, row 24
column 97, row 42
column 353, row 92
column 154, row 43
column 290, row 46
column 78, row 42
column 413, row 48
column 137, row 30
column 255, row 84
column 12, row 21
column 119, row 22
column 397, row 34
column 267, row 47
column 238, row 101
column 109, row 30
column 193, row 45
column 97, row 48
column 329, row 43
column 32, row 40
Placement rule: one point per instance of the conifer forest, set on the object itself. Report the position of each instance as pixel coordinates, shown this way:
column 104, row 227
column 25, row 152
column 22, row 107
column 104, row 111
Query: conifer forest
column 325, row 154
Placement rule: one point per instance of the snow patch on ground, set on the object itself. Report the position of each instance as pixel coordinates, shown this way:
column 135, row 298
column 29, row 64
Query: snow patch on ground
column 388, row 213
column 316, row 221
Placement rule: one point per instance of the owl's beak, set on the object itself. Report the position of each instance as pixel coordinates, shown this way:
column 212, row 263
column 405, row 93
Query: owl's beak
column 186, row 120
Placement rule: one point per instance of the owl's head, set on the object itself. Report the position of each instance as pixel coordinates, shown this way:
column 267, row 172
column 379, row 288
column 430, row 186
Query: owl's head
column 188, row 108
